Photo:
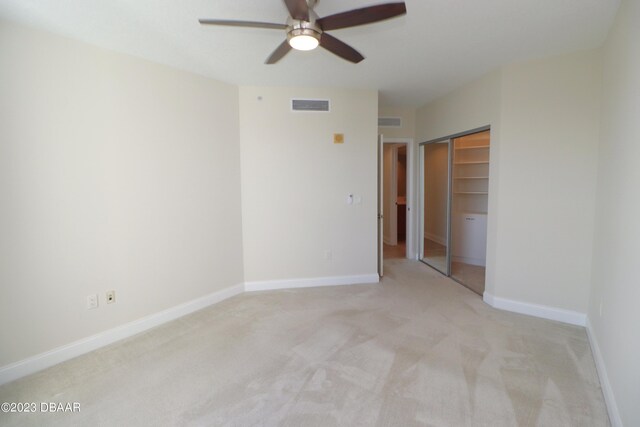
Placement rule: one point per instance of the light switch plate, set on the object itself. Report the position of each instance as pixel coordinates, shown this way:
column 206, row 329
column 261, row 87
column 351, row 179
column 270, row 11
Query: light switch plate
column 92, row 302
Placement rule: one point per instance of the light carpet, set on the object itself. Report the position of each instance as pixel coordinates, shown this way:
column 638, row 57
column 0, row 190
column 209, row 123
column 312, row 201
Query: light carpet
column 416, row 349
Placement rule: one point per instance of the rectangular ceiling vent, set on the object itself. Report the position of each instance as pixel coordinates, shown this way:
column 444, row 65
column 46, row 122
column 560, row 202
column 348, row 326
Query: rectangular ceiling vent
column 389, row 122
column 312, row 105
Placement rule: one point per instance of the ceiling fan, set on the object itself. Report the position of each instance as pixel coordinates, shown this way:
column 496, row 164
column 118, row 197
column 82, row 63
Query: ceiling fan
column 305, row 30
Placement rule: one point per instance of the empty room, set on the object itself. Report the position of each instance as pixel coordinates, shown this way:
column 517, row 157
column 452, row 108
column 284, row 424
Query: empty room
column 319, row 213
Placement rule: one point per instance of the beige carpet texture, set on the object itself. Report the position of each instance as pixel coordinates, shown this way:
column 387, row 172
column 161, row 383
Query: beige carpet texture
column 417, row 349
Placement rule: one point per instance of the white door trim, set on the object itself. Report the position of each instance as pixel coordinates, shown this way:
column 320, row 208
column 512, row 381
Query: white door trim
column 411, row 195
column 380, row 148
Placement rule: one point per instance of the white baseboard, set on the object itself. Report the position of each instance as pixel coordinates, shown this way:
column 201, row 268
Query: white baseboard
column 57, row 355
column 480, row 262
column 607, row 391
column 543, row 311
column 268, row 285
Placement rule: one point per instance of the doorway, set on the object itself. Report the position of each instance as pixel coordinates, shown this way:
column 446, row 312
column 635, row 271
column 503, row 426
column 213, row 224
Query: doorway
column 453, row 208
column 396, row 188
column 395, row 200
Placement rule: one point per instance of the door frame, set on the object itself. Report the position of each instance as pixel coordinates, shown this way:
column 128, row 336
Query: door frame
column 411, row 250
column 380, row 148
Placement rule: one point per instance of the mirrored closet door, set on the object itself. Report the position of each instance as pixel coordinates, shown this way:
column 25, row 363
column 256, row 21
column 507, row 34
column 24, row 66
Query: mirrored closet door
column 455, row 191
column 435, row 205
column 469, row 209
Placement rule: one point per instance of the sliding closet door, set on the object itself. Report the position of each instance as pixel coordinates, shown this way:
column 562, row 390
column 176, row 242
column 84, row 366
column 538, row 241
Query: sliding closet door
column 469, row 210
column 435, row 204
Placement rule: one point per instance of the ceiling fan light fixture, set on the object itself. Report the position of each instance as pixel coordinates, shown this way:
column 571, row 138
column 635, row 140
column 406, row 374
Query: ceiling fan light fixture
column 303, row 42
column 303, row 38
column 305, row 30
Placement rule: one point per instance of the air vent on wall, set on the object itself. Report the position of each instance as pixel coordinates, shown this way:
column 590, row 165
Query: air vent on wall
column 389, row 122
column 313, row 105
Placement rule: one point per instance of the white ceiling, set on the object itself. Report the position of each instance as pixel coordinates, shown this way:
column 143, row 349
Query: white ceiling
column 438, row 46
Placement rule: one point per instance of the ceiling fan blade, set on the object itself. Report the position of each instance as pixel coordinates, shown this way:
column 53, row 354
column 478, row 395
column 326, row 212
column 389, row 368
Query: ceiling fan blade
column 339, row 48
column 366, row 15
column 298, row 9
column 251, row 24
column 279, row 53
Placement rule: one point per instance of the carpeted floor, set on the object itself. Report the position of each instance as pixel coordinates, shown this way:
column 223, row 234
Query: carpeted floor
column 417, row 349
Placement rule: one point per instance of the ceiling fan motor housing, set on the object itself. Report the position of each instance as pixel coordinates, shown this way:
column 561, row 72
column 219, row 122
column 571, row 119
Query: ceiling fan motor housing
column 305, row 29
column 296, row 27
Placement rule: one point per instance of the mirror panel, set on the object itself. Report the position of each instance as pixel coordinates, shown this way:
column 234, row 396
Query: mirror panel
column 435, row 209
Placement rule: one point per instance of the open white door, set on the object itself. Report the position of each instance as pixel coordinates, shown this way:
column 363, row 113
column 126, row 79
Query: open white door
column 380, row 206
column 390, row 191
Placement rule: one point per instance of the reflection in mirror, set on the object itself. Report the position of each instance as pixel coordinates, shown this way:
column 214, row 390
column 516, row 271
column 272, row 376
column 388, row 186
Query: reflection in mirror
column 435, row 158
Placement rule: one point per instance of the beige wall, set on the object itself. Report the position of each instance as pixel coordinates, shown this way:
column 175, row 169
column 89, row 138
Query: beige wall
column 472, row 106
column 548, row 167
column 295, row 182
column 115, row 173
column 613, row 310
column 544, row 128
column 408, row 128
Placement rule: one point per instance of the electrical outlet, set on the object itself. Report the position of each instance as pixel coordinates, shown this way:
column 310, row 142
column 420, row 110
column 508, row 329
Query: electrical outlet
column 328, row 255
column 92, row 301
column 111, row 297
